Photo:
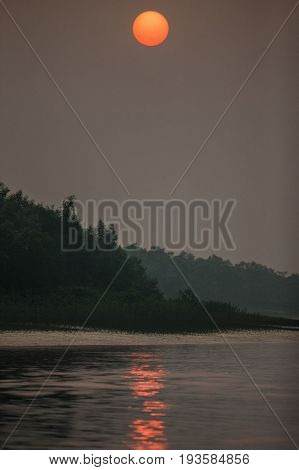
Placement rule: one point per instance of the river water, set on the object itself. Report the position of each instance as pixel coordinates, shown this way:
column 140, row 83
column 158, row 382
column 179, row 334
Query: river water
column 122, row 391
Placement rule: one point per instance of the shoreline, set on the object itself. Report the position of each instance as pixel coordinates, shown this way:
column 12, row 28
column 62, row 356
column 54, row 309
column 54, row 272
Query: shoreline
column 53, row 340
column 40, row 327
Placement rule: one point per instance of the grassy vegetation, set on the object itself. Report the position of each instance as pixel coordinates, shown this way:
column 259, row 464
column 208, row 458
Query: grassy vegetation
column 70, row 308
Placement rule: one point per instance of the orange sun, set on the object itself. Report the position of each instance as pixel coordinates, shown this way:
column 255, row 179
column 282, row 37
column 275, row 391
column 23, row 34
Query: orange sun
column 151, row 28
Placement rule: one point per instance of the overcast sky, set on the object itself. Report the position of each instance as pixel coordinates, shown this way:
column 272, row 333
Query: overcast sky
column 150, row 109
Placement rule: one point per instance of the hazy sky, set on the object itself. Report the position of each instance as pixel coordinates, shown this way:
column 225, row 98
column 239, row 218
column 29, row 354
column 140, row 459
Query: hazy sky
column 150, row 109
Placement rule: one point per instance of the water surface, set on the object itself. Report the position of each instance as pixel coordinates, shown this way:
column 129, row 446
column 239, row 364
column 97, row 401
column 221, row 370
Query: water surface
column 120, row 391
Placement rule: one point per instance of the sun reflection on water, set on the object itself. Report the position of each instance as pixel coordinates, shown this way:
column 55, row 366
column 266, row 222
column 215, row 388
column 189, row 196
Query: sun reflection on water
column 147, row 380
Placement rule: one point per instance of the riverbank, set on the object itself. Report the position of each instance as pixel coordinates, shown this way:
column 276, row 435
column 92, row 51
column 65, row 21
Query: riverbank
column 49, row 338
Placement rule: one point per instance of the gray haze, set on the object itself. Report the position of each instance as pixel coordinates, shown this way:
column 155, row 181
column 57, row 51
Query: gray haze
column 150, row 109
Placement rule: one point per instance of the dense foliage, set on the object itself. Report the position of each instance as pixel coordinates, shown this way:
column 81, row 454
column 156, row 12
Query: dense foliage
column 32, row 260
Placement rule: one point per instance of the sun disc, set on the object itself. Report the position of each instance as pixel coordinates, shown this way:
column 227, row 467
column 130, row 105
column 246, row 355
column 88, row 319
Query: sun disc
column 151, row 28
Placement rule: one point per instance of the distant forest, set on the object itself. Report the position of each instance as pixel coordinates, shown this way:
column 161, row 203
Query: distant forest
column 247, row 285
column 42, row 284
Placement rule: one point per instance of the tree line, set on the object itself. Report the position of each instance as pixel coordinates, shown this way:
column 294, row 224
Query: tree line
column 32, row 260
column 41, row 284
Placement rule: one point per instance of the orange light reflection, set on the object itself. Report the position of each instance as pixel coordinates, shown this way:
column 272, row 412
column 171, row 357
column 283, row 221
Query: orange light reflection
column 146, row 381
